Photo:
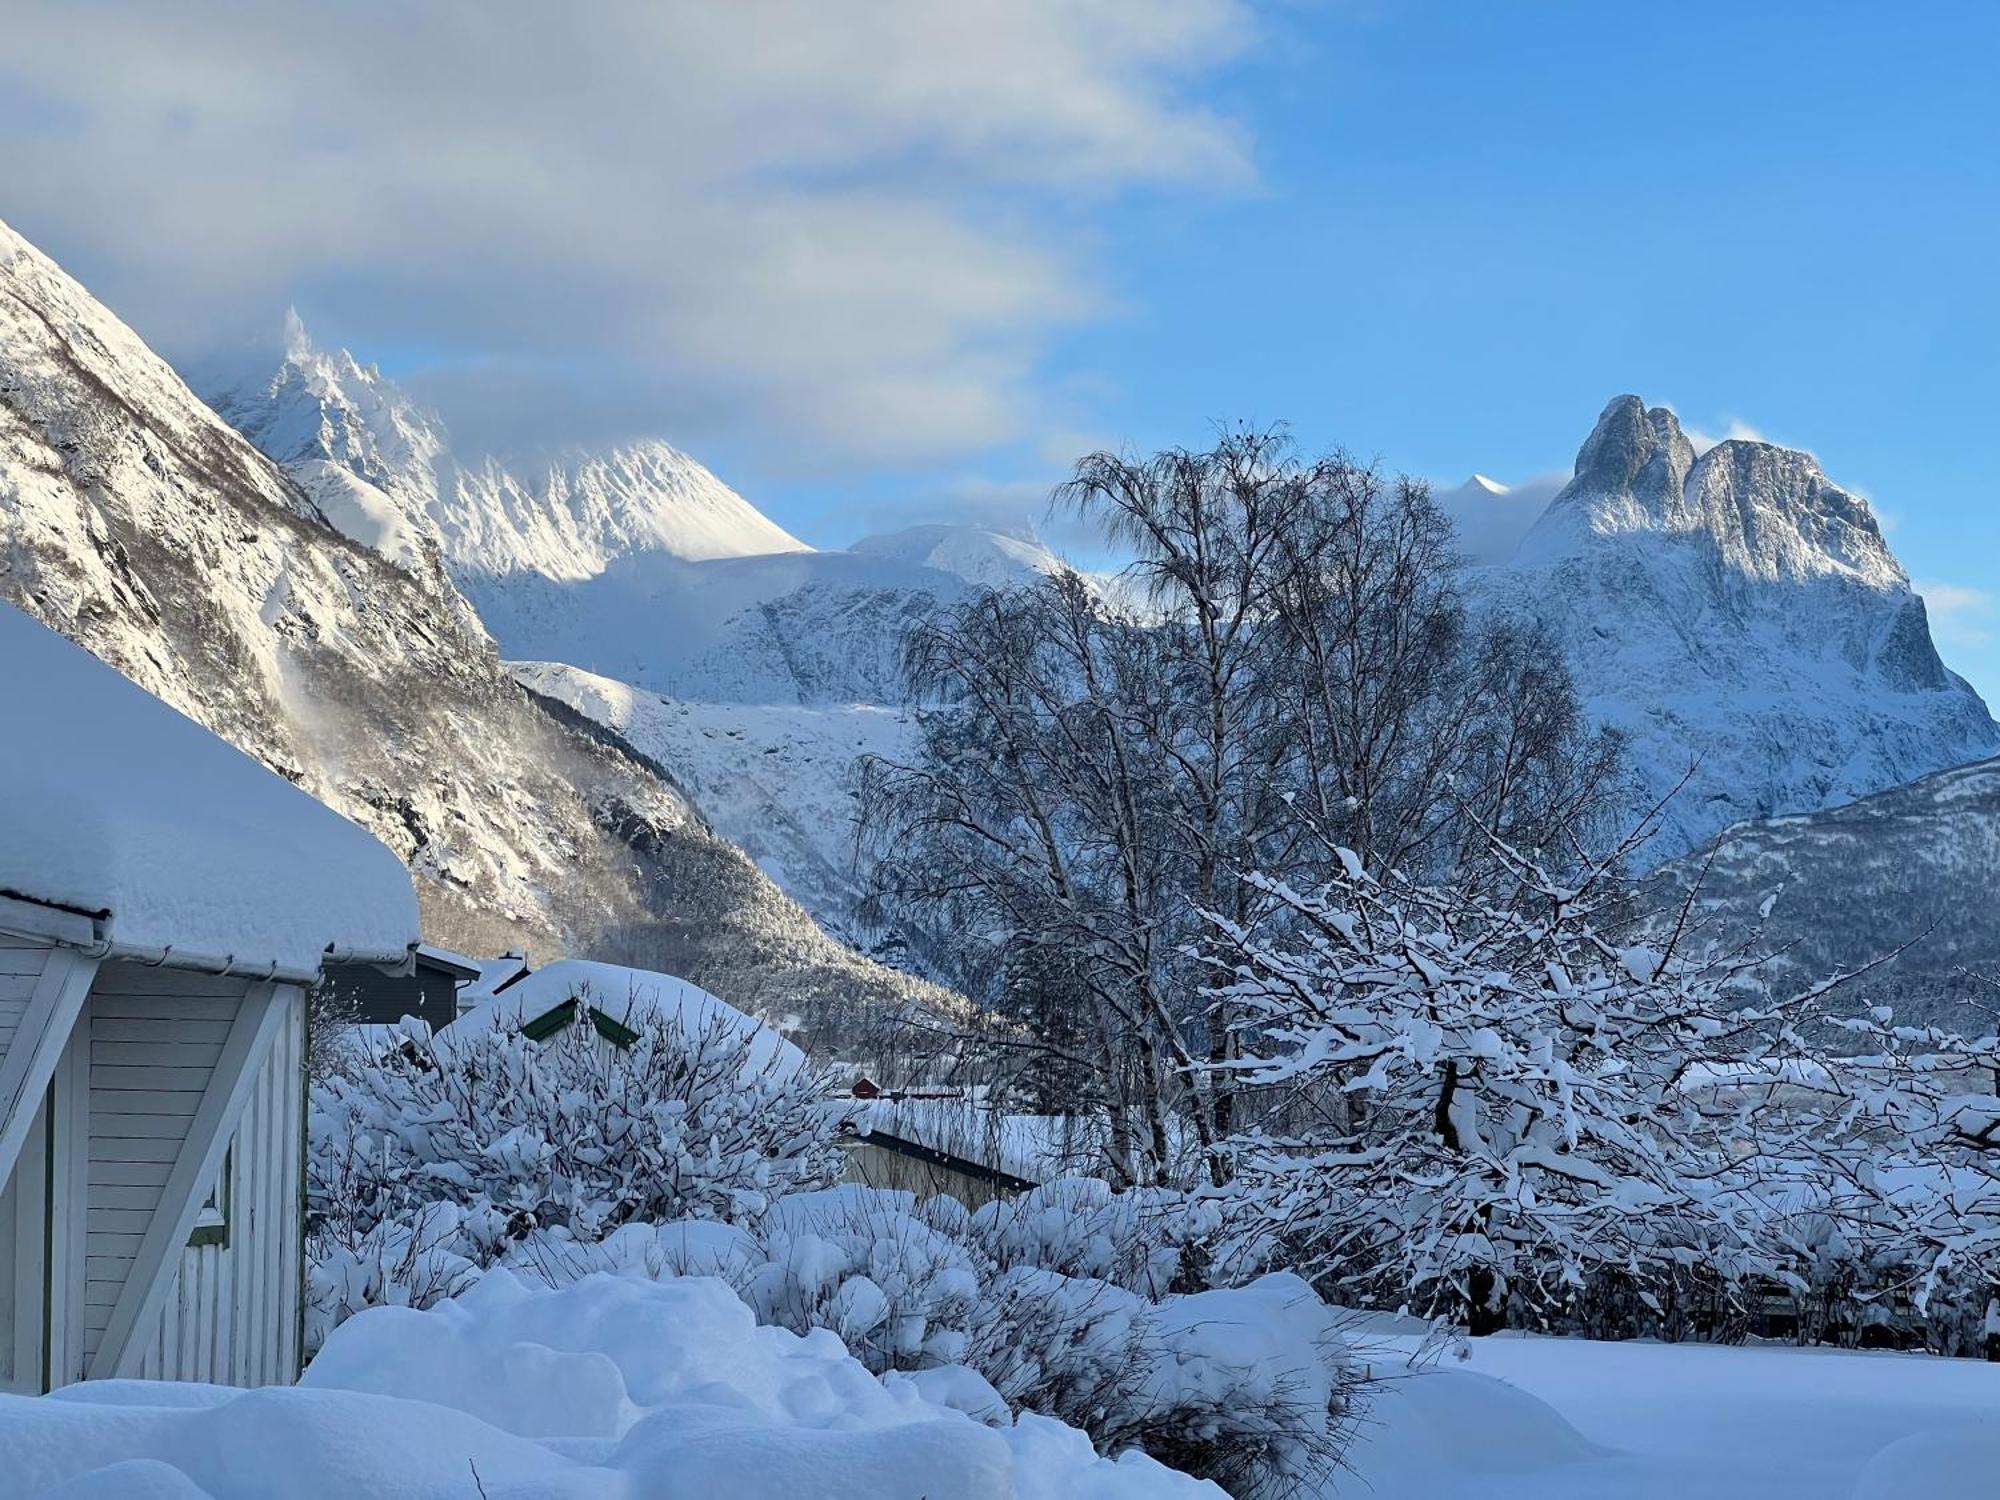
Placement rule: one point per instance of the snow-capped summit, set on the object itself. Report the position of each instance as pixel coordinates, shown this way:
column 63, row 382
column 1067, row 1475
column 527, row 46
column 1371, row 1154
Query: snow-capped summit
column 568, row 515
column 977, row 554
column 1738, row 613
column 573, row 514
column 1769, row 511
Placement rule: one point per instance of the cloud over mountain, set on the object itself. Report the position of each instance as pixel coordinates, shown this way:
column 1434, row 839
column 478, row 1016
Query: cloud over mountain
column 844, row 229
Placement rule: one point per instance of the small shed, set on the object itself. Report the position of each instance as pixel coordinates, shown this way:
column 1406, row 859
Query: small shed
column 165, row 903
column 426, row 986
column 952, row 1144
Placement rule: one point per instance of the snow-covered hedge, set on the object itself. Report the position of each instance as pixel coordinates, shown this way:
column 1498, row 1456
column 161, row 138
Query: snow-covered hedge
column 1251, row 1386
column 435, row 1162
column 428, row 1156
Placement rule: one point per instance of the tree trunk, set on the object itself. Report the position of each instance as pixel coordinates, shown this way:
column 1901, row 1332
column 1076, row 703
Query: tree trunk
column 1483, row 1316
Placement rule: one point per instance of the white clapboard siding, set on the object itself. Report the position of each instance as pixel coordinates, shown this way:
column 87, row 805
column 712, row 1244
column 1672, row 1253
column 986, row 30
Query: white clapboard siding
column 232, row 1316
column 21, row 963
column 155, row 1036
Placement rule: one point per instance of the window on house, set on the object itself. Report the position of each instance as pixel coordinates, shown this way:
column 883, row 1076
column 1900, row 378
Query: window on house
column 211, row 1224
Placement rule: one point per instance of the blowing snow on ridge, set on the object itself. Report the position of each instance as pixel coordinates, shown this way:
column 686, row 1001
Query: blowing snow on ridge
column 563, row 516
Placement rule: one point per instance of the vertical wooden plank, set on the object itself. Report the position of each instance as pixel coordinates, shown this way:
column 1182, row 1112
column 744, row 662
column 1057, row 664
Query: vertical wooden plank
column 69, row 1126
column 37, row 1049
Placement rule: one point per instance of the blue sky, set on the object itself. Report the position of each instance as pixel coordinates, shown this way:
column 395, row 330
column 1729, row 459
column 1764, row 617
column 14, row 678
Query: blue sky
column 900, row 260
column 1472, row 224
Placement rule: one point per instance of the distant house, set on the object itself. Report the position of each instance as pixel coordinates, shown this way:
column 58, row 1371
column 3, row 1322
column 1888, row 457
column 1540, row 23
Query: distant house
column 426, row 987
column 616, row 1002
column 929, row 1144
column 165, row 902
column 495, row 975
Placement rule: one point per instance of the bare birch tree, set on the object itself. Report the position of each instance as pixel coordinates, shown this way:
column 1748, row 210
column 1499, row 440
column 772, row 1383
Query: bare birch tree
column 1287, row 658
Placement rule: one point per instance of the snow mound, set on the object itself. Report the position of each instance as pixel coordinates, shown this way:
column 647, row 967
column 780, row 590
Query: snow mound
column 1440, row 1424
column 1951, row 1463
column 611, row 1387
column 117, row 804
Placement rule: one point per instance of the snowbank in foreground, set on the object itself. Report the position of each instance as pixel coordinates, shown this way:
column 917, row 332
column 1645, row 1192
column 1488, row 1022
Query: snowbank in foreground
column 1571, row 1419
column 611, row 1387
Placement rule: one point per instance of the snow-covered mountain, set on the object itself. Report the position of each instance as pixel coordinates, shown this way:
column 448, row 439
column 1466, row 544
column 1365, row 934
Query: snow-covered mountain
column 1912, row 865
column 1737, row 613
column 136, row 522
column 636, row 564
column 776, row 780
column 563, row 516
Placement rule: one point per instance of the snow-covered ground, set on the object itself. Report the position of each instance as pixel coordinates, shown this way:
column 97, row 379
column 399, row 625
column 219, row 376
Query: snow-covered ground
column 1577, row 1420
column 614, row 1387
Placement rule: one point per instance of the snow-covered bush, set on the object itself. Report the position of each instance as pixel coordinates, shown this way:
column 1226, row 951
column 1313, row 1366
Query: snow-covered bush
column 1153, row 1241
column 430, row 1153
column 1494, row 1099
column 1250, row 1386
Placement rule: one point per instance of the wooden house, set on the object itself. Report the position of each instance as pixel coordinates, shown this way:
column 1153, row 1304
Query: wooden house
column 951, row 1144
column 426, row 987
column 615, row 1001
column 165, row 902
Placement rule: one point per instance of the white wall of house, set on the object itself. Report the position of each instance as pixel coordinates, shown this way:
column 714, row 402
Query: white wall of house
column 173, row 1088
column 233, row 1317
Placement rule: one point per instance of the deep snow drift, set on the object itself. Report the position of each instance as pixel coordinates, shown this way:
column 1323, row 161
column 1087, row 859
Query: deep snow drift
column 1577, row 1420
column 614, row 1387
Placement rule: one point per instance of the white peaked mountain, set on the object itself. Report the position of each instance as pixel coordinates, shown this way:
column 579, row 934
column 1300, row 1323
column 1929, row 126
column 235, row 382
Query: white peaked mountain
column 137, row 523
column 563, row 516
column 1741, row 619
column 636, row 563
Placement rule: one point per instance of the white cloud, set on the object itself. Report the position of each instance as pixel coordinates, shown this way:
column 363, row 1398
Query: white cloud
column 1737, row 430
column 836, row 229
column 1491, row 522
column 1960, row 616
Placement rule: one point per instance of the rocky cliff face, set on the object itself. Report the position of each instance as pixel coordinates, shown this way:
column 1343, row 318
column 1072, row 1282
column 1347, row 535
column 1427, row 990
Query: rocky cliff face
column 1742, row 620
column 1904, row 875
column 139, row 524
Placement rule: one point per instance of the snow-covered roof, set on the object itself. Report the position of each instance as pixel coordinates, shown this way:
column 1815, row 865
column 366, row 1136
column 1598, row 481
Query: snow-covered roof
column 630, row 996
column 493, row 973
column 113, row 804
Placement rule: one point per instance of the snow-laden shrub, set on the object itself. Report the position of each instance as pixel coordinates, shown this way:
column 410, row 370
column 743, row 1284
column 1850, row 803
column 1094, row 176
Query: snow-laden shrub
column 1250, row 1386
column 427, row 1151
column 1153, row 1241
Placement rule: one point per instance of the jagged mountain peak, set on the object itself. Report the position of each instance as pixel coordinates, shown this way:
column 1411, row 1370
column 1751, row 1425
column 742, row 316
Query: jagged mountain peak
column 1767, row 511
column 324, row 405
column 1774, row 514
column 1739, row 614
column 1636, row 453
column 564, row 514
